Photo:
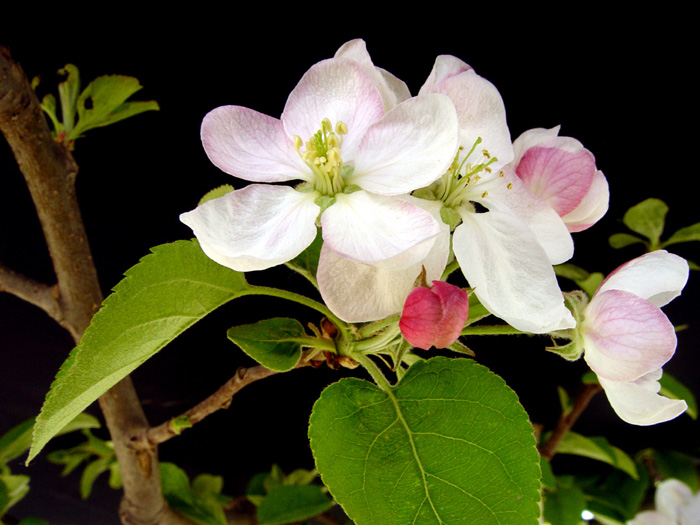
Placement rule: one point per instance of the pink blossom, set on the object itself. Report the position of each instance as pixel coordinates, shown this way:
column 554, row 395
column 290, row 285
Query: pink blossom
column 434, row 316
column 563, row 173
column 627, row 338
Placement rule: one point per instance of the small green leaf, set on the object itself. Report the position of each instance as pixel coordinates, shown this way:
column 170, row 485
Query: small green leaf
column 12, row 489
column 622, row 240
column 564, row 505
column 687, row 234
column 674, row 464
column 647, row 218
column 293, row 503
column 615, row 495
column 300, row 476
column 162, row 296
column 217, row 192
column 181, row 498
column 449, row 442
column 68, row 92
column 48, row 104
column 104, row 102
column 674, row 389
column 18, row 439
column 180, row 423
column 33, row 521
column 599, row 449
column 274, row 343
column 90, row 474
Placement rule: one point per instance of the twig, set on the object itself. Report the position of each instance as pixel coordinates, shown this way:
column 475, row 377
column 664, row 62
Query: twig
column 221, row 399
column 567, row 420
column 36, row 293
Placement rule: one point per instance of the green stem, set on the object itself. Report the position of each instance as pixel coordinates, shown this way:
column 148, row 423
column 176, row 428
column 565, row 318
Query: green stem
column 316, row 342
column 301, row 299
column 377, row 326
column 491, row 330
column 375, row 372
column 453, row 266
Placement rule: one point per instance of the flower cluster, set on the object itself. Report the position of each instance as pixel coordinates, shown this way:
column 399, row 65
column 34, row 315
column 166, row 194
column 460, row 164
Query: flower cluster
column 401, row 186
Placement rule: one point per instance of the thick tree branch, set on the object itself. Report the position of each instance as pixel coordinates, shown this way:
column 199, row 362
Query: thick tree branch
column 567, row 420
column 221, row 399
column 50, row 170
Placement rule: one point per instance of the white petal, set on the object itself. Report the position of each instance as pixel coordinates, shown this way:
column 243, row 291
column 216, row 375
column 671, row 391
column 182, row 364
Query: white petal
column 671, row 495
column 658, row 277
column 409, row 148
column 391, row 88
column 637, row 404
column 251, row 146
column 481, row 113
column 545, row 223
column 651, row 517
column 371, row 228
column 593, row 206
column 625, row 336
column 446, row 66
column 510, row 271
column 358, row 292
column 339, row 90
column 255, row 228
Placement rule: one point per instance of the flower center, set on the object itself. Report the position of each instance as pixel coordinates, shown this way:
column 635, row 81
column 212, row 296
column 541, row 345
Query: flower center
column 322, row 154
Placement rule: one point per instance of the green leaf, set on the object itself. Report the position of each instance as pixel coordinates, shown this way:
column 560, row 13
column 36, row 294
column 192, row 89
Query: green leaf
column 163, row 295
column 293, row 503
column 548, row 479
column 564, row 506
column 274, row 343
column 306, row 263
column 623, row 240
column 48, row 104
column 33, row 521
column 674, row 464
column 90, row 474
column 615, row 495
column 674, row 389
column 599, row 449
column 103, row 102
column 687, row 234
column 68, row 91
column 180, row 496
column 12, row 489
column 588, row 282
column 450, row 443
column 647, row 218
column 18, row 439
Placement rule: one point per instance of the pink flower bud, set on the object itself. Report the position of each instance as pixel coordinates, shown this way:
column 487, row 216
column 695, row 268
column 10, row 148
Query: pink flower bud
column 434, row 316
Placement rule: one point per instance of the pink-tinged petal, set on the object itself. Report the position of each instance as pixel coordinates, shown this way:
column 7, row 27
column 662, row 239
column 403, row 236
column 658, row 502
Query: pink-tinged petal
column 357, row 292
column 255, row 228
column 625, row 336
column 593, row 206
column 481, row 114
column 445, row 67
column 391, row 88
column 638, row 403
column 658, row 277
column 671, row 496
column 409, row 148
column 510, row 272
column 372, row 228
column 434, row 316
column 550, row 231
column 251, row 146
column 557, row 175
column 339, row 90
column 530, row 139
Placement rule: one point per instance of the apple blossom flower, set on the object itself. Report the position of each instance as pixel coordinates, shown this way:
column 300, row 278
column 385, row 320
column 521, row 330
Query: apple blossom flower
column 563, row 173
column 434, row 316
column 627, row 338
column 505, row 239
column 675, row 505
column 354, row 159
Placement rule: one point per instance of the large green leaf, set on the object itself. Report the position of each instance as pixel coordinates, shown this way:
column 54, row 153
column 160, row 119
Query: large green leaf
column 450, row 444
column 163, row 295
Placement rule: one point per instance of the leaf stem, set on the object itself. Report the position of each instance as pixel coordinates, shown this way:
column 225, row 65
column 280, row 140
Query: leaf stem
column 374, row 371
column 491, row 330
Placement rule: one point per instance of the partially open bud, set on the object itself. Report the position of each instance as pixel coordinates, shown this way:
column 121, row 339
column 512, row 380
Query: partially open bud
column 434, row 316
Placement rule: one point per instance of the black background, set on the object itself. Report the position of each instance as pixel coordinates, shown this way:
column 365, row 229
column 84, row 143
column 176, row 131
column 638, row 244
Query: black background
column 619, row 85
